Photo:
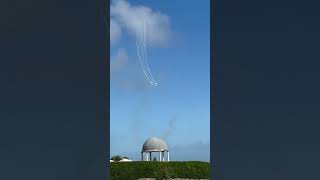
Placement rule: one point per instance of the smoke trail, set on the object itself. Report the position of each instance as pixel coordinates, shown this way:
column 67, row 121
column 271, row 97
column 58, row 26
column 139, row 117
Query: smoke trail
column 138, row 121
column 146, row 55
column 141, row 54
column 171, row 128
column 141, row 45
column 141, row 62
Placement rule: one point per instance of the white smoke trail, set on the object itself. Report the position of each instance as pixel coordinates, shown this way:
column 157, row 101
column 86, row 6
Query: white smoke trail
column 141, row 62
column 141, row 45
column 146, row 55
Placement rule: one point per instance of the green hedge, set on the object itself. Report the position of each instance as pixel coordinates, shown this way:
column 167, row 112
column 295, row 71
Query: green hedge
column 159, row 170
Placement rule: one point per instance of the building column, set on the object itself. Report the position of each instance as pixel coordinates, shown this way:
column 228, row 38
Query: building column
column 168, row 156
column 161, row 156
column 160, row 159
column 150, row 156
column 141, row 156
column 163, row 153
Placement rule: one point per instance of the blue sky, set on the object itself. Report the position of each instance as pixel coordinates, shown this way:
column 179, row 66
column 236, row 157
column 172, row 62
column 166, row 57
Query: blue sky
column 178, row 109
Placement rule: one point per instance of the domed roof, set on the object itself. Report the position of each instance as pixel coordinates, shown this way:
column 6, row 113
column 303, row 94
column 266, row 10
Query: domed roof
column 154, row 145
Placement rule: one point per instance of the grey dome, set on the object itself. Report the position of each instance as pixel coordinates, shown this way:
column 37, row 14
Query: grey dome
column 154, row 145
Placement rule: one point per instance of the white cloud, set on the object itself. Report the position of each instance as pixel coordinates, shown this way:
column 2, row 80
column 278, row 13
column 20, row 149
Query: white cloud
column 115, row 31
column 131, row 18
column 127, row 18
column 119, row 62
column 124, row 73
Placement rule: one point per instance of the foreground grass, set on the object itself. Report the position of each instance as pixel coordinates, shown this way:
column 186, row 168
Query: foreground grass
column 159, row 170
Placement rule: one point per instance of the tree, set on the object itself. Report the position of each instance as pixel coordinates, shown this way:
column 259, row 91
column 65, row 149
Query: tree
column 116, row 158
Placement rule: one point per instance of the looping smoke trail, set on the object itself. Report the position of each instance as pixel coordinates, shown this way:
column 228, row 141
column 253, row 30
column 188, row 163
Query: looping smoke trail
column 141, row 63
column 146, row 56
column 141, row 45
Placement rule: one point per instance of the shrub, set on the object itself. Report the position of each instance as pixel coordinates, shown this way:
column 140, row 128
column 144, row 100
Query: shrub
column 116, row 158
column 159, row 170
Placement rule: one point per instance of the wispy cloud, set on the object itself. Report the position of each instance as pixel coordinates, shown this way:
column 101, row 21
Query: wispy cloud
column 124, row 74
column 119, row 62
column 115, row 31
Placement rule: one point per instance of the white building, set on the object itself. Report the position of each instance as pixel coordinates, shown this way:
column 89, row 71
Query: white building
column 125, row 159
column 155, row 145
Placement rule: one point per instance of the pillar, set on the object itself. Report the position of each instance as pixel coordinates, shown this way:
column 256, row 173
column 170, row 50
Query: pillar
column 150, row 157
column 160, row 159
column 168, row 156
column 141, row 156
column 163, row 156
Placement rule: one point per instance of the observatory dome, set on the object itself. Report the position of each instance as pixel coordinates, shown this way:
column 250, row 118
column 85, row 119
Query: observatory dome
column 154, row 145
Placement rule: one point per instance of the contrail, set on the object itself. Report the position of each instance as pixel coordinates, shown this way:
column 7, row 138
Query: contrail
column 141, row 45
column 145, row 51
column 141, row 63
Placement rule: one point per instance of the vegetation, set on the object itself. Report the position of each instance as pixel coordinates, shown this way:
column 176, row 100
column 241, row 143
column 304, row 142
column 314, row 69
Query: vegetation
column 159, row 170
column 116, row 158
